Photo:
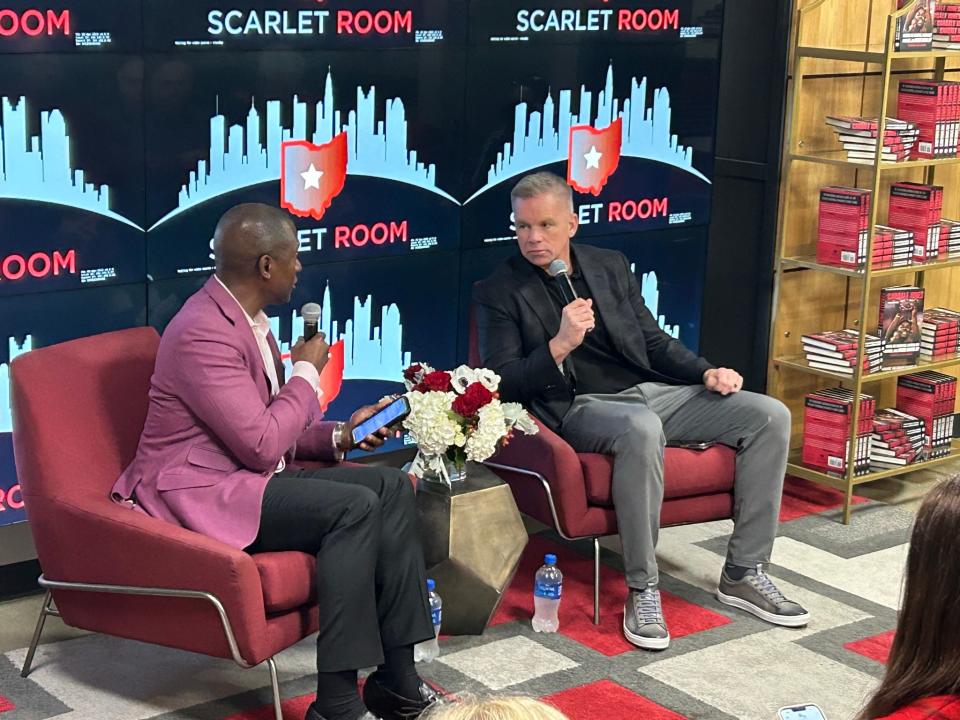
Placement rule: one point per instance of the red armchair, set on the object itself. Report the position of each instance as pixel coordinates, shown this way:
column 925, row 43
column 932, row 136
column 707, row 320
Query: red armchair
column 571, row 491
column 78, row 410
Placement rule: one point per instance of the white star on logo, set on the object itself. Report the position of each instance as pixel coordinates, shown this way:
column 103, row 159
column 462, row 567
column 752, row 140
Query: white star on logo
column 593, row 157
column 311, row 178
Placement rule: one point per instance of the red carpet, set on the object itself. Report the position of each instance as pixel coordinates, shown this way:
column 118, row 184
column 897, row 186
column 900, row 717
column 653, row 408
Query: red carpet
column 802, row 497
column 610, row 701
column 876, row 647
column 576, row 609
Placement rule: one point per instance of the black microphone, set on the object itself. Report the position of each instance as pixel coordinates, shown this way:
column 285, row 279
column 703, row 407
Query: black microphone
column 310, row 313
column 558, row 270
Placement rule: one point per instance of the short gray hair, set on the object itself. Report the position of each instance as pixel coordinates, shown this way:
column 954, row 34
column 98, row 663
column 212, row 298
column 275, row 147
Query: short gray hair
column 542, row 183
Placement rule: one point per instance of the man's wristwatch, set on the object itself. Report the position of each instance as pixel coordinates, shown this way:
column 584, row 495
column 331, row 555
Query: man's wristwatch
column 337, row 438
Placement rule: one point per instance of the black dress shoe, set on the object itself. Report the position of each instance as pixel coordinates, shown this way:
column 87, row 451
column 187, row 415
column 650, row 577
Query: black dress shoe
column 387, row 705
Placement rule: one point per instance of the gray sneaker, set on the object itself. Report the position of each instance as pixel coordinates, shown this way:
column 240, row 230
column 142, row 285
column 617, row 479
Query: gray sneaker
column 757, row 594
column 643, row 623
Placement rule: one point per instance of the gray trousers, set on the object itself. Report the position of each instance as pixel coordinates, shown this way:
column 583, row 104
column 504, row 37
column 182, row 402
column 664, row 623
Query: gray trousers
column 635, row 425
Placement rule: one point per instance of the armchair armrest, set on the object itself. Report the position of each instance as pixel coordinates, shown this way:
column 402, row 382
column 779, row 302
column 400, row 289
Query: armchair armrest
column 550, row 456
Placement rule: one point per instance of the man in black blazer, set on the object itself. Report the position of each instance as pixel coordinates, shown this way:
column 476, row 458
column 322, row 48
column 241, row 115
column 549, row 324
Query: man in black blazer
column 598, row 370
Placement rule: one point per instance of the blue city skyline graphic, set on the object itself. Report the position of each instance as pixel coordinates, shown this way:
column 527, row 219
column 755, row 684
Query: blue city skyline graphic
column 541, row 137
column 39, row 167
column 239, row 157
column 370, row 352
column 14, row 349
column 650, row 290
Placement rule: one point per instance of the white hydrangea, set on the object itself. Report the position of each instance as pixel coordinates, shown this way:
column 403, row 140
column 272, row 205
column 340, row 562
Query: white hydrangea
column 491, row 429
column 432, row 423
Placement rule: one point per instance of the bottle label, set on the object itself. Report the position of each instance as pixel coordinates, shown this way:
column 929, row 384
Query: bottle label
column 436, row 615
column 548, row 590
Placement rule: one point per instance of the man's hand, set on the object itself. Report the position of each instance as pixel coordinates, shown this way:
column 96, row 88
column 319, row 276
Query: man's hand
column 577, row 318
column 374, row 439
column 723, row 380
column 314, row 351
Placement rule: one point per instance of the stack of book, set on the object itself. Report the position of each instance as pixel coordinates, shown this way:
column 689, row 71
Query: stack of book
column 892, row 247
column 946, row 31
column 898, row 439
column 901, row 315
column 836, row 351
column 930, row 396
column 842, row 229
column 859, row 136
column 950, row 237
column 917, row 207
column 826, row 431
column 939, row 334
column 933, row 106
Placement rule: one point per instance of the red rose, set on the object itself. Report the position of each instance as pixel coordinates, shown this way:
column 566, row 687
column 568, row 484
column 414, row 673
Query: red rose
column 438, row 380
column 473, row 398
column 410, row 373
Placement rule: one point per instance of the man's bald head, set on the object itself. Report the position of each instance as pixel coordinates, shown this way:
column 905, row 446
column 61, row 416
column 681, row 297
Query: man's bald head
column 246, row 233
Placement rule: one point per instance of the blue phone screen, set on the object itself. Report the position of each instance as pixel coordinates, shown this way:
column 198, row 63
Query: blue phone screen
column 381, row 419
column 802, row 712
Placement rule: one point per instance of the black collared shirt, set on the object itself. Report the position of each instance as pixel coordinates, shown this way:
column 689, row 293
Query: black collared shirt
column 598, row 367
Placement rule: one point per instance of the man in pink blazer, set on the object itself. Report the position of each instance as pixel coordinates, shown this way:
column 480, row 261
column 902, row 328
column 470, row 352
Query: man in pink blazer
column 218, row 452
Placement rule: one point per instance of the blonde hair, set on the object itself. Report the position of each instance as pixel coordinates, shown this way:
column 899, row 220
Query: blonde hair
column 496, row 708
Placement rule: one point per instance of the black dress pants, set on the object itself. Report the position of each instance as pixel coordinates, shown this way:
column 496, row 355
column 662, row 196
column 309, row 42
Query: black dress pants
column 361, row 523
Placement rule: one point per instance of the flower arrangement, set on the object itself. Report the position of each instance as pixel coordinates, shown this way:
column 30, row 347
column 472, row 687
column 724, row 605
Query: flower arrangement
column 457, row 416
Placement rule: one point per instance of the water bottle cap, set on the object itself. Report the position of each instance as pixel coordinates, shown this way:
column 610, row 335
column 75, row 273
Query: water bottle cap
column 430, row 584
column 550, row 559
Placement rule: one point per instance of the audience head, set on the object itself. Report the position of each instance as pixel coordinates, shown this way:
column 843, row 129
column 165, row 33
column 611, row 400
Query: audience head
column 497, row 708
column 544, row 216
column 925, row 656
column 255, row 248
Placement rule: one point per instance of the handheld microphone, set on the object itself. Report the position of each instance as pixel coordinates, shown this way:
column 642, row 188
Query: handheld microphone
column 558, row 270
column 310, row 313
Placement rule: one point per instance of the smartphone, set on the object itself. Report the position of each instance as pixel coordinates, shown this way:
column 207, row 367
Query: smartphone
column 394, row 412
column 807, row 711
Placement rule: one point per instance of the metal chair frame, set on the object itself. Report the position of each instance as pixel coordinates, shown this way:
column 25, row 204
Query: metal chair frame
column 699, row 447
column 559, row 529
column 48, row 610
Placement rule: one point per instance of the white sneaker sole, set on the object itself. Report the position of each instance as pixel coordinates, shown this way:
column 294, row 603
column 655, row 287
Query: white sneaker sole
column 645, row 642
column 782, row 620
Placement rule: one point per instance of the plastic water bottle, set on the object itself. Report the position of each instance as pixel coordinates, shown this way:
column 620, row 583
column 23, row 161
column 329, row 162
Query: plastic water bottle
column 547, row 590
column 430, row 649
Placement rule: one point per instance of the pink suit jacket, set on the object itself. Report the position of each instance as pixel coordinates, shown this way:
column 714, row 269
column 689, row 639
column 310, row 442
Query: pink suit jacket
column 213, row 435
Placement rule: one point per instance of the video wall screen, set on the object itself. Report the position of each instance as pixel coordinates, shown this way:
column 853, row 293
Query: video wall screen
column 364, row 156
column 570, row 22
column 28, row 322
column 71, row 26
column 304, row 25
column 630, row 126
column 391, row 133
column 71, row 171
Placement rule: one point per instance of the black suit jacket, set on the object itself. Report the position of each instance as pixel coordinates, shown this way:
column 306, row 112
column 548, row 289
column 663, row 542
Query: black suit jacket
column 516, row 320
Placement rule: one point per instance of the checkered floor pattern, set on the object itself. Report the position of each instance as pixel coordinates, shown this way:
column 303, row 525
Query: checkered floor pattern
column 722, row 664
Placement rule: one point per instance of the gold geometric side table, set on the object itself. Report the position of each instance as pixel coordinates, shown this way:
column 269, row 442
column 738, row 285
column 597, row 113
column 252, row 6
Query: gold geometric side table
column 472, row 537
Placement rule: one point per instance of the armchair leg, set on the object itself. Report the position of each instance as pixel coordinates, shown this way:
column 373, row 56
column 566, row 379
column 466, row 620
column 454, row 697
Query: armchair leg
column 45, row 610
column 596, row 581
column 275, row 684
